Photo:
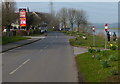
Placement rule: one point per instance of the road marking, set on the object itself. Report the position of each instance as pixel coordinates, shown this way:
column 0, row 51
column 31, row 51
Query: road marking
column 19, row 67
column 45, row 47
column 10, row 50
column 2, row 54
column 41, row 50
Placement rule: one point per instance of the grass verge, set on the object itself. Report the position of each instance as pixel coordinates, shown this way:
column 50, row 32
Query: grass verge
column 6, row 40
column 88, row 42
column 99, row 41
column 91, row 67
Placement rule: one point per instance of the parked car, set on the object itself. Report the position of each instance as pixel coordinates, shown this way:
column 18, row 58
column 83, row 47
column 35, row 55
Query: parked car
column 66, row 29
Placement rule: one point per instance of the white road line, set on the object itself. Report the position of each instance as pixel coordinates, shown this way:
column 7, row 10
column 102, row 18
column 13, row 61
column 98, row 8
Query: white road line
column 2, row 54
column 41, row 50
column 19, row 67
column 45, row 47
column 10, row 50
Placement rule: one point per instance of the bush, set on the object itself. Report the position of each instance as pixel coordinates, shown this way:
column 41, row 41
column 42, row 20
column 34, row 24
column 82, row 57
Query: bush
column 113, row 72
column 97, row 57
column 113, row 47
column 104, row 53
column 98, row 50
column 90, row 50
column 104, row 63
column 112, row 58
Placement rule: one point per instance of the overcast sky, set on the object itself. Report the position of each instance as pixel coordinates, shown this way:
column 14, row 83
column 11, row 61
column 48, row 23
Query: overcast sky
column 98, row 12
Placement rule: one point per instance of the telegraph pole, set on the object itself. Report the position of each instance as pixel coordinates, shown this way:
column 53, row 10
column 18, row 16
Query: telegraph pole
column 51, row 8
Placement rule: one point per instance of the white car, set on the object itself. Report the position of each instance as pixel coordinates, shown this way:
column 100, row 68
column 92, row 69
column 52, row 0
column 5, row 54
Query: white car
column 4, row 30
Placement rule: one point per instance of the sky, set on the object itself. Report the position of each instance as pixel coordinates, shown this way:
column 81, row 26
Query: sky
column 97, row 12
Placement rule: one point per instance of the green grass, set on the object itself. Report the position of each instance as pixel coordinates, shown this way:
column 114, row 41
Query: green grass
column 35, row 34
column 6, row 40
column 91, row 68
column 99, row 41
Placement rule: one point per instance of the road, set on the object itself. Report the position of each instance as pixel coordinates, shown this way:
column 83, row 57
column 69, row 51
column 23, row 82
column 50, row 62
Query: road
column 48, row 60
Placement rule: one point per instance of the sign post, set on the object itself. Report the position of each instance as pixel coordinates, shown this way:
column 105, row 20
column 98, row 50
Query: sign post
column 93, row 29
column 106, row 29
column 22, row 13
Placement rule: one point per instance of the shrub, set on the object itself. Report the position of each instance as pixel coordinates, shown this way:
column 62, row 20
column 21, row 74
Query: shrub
column 98, row 50
column 104, row 53
column 113, row 72
column 113, row 47
column 112, row 58
column 104, row 63
column 90, row 50
column 97, row 57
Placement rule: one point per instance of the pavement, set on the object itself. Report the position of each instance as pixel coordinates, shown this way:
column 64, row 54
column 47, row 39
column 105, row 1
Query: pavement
column 48, row 60
column 79, row 50
column 21, row 43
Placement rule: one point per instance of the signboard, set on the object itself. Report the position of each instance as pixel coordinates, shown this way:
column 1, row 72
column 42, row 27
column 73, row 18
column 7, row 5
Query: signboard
column 22, row 13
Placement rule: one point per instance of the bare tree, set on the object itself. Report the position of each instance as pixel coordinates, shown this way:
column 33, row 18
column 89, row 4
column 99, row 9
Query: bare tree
column 8, row 14
column 53, row 22
column 63, row 16
column 84, row 21
column 88, row 28
column 71, row 16
column 81, row 19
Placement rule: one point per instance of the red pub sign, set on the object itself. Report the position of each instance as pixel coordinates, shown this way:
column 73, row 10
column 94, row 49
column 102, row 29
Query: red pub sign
column 22, row 13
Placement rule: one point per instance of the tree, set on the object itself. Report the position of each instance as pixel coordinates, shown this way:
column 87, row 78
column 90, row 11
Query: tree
column 0, row 13
column 8, row 14
column 63, row 16
column 29, row 20
column 71, row 16
column 81, row 19
column 84, row 21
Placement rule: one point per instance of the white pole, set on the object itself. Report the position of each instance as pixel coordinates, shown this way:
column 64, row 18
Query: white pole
column 106, row 40
column 94, row 38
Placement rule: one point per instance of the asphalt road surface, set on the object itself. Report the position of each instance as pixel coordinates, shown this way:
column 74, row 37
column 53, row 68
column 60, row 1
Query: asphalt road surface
column 48, row 60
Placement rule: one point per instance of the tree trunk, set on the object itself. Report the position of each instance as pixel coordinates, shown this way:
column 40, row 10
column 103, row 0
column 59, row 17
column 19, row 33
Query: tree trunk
column 72, row 26
column 8, row 31
column 79, row 27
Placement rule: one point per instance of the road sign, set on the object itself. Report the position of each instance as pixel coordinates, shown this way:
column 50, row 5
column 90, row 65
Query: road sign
column 93, row 28
column 106, row 27
column 22, row 13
